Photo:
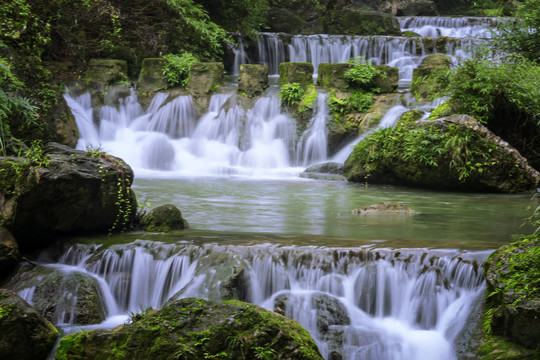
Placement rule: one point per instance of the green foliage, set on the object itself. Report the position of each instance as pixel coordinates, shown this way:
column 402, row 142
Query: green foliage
column 264, row 353
column 361, row 75
column 244, row 16
column 461, row 148
column 358, row 100
column 309, row 97
column 176, row 70
column 291, row 94
column 486, row 89
column 521, row 37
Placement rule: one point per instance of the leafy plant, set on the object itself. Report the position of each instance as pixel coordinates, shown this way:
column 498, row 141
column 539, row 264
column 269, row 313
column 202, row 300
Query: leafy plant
column 359, row 101
column 361, row 75
column 291, row 94
column 176, row 70
column 264, row 353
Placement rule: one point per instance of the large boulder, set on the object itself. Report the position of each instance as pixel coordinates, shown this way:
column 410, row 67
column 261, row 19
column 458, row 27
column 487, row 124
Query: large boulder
column 452, row 153
column 205, row 77
column 252, row 79
column 61, row 297
column 64, row 191
column 331, row 76
column 164, row 218
column 9, row 253
column 387, row 80
column 513, row 292
column 151, row 75
column 296, row 72
column 197, row 329
column 25, row 334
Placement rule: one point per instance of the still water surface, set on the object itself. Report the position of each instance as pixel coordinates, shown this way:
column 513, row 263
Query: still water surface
column 319, row 212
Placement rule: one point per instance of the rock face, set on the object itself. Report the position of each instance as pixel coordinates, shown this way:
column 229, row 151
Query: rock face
column 431, row 154
column 150, row 77
column 9, row 252
column 296, row 72
column 252, row 79
column 388, row 79
column 354, row 22
column 106, row 71
column 205, row 77
column 55, row 293
column 197, row 329
column 25, row 333
column 69, row 191
column 513, row 292
column 163, row 219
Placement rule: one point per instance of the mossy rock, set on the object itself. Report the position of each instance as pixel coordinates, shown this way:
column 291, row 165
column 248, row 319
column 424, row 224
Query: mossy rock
column 428, row 78
column 196, row 329
column 252, row 79
column 417, row 8
column 411, row 116
column 9, row 253
column 106, row 71
column 62, row 298
column 513, row 292
column 164, row 219
column 151, row 76
column 330, row 76
column 205, row 77
column 427, row 154
column 410, row 34
column 296, row 72
column 387, row 79
column 68, row 191
column 26, row 335
column 285, row 21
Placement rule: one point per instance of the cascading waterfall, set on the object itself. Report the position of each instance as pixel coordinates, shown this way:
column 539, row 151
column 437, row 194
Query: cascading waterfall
column 313, row 144
column 362, row 303
column 457, row 27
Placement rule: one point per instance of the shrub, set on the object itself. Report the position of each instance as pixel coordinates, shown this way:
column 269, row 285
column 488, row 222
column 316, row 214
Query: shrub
column 291, row 94
column 361, row 75
column 176, row 70
column 359, row 101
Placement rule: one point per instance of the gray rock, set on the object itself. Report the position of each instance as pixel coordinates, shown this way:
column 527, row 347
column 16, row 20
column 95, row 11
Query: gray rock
column 252, row 79
column 205, row 77
column 164, row 218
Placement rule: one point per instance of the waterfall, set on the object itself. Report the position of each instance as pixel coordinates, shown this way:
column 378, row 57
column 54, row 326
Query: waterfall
column 313, row 144
column 362, row 303
column 168, row 136
column 456, row 27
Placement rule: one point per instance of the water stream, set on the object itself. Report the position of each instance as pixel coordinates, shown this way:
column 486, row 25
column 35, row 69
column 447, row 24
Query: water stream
column 366, row 287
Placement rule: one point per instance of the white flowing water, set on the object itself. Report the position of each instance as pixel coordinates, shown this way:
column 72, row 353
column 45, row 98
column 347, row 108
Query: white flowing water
column 456, row 27
column 362, row 303
column 227, row 139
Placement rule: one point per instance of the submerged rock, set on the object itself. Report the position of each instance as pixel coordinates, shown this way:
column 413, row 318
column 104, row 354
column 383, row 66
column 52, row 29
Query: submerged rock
column 164, row 219
column 452, row 153
column 385, row 208
column 24, row 333
column 325, row 171
column 67, row 191
column 197, row 329
column 62, row 298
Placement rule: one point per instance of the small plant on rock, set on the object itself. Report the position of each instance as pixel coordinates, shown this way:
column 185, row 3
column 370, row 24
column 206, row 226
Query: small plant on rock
column 291, row 94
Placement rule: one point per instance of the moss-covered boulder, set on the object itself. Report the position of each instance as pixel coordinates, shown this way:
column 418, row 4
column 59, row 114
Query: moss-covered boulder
column 205, row 77
column 9, row 253
column 513, row 293
column 387, row 79
column 64, row 191
column 353, row 22
column 196, row 329
column 163, row 219
column 453, row 153
column 252, row 79
column 428, row 77
column 151, row 76
column 296, row 72
column 62, row 298
column 416, row 8
column 26, row 335
column 106, row 71
column 330, row 76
